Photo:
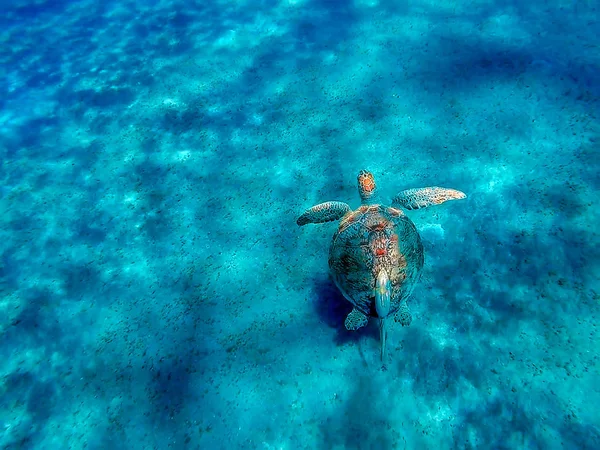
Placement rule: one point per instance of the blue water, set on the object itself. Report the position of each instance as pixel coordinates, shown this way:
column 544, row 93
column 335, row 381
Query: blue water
column 156, row 292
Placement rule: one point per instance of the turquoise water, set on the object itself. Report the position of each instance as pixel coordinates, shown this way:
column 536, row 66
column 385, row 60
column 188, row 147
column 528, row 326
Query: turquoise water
column 157, row 293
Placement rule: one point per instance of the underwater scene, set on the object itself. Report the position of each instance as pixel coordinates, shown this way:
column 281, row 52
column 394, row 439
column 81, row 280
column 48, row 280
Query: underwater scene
column 299, row 224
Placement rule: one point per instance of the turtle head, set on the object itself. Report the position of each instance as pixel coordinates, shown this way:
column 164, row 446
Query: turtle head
column 366, row 185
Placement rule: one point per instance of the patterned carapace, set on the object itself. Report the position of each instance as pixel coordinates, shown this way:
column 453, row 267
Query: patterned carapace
column 368, row 241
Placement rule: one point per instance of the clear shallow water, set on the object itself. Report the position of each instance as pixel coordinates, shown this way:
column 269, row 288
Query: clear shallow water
column 156, row 292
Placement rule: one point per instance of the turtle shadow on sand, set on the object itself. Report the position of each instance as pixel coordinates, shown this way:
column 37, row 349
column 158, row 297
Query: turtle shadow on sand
column 332, row 308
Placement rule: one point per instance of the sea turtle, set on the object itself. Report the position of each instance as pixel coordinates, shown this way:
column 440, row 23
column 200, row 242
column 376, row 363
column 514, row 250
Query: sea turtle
column 376, row 255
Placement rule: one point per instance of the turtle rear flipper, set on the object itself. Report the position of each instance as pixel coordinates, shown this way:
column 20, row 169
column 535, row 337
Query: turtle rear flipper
column 323, row 212
column 424, row 197
column 355, row 320
column 403, row 316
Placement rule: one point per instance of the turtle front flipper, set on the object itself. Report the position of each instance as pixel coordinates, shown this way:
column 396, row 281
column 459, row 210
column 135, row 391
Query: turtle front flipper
column 355, row 320
column 403, row 316
column 323, row 212
column 383, row 304
column 424, row 197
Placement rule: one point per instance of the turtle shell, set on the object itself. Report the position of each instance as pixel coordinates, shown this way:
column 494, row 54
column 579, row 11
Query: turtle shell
column 369, row 239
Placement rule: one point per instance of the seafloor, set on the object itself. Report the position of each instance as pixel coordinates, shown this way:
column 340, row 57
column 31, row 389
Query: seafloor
column 157, row 293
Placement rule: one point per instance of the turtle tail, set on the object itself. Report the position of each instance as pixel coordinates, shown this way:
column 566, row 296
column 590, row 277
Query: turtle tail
column 383, row 337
